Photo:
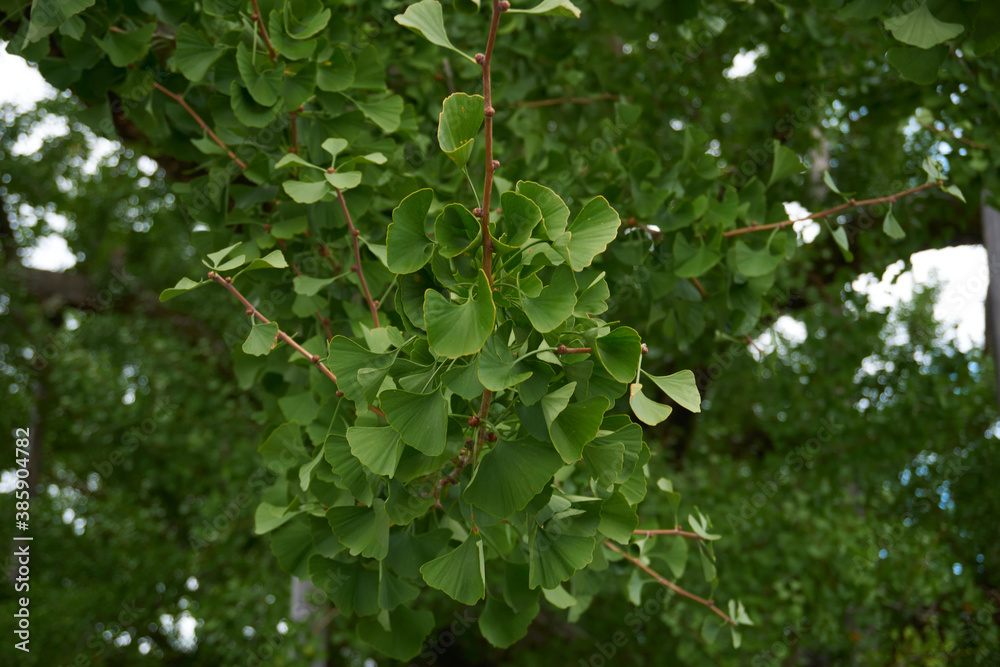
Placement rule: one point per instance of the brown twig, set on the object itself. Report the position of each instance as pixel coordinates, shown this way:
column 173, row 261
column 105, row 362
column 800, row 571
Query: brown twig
column 836, row 209
column 202, row 124
column 671, row 585
column 565, row 100
column 485, row 60
column 272, row 54
column 372, row 304
column 314, row 358
column 668, row 531
column 701, row 290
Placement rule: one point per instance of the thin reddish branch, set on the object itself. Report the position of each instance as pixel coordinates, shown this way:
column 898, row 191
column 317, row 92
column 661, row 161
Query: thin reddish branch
column 485, row 61
column 836, row 209
column 314, row 358
column 701, row 290
column 251, row 310
column 565, row 100
column 668, row 531
column 272, row 54
column 671, row 585
column 372, row 304
column 202, row 124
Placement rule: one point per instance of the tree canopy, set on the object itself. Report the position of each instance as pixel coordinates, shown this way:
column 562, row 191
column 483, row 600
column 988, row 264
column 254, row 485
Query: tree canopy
column 450, row 310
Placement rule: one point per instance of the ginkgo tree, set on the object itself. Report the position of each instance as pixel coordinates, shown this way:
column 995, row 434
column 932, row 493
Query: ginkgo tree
column 453, row 410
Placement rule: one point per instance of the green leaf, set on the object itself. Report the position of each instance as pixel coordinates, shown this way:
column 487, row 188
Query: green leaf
column 618, row 518
column 351, row 586
column 378, row 448
column 891, row 226
column 459, row 123
column 954, row 191
column 591, row 231
column 920, row 28
column 577, row 425
column 408, row 247
column 502, row 626
column 305, row 19
column 260, row 339
column 124, row 48
column 183, row 285
column 456, row 230
column 194, row 55
column 261, row 78
column 604, row 460
column 700, row 526
column 710, row 628
column 342, row 180
column 420, row 419
column 409, row 629
column 555, row 213
column 283, row 448
column 289, row 48
column 346, row 359
column 691, row 261
column 840, row 236
column 348, row 468
column 510, row 474
column 918, row 65
column 648, row 411
column 681, row 386
column 307, row 286
column 273, row 260
column 53, row 13
column 268, row 517
column 460, row 573
column 559, row 597
column 293, row 159
column 427, row 19
column 619, row 352
column 307, row 193
column 786, row 163
column 334, row 146
column 556, row 302
column 755, row 263
column 247, row 110
column 363, row 530
column 563, row 8
column 336, row 73
column 386, row 112
column 454, row 330
column 497, row 368
column 556, row 554
column 521, row 215
column 594, row 299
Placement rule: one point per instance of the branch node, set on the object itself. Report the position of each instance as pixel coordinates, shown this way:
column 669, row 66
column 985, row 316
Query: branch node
column 480, row 59
column 489, row 111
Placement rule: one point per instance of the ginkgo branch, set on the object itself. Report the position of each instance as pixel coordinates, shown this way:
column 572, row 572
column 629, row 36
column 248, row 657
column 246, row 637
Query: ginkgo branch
column 259, row 19
column 671, row 585
column 202, row 124
column 836, row 209
column 372, row 304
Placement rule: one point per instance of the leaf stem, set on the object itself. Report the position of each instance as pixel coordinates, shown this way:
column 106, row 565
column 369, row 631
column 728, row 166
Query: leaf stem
column 836, row 209
column 489, row 111
column 671, row 585
column 202, row 124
